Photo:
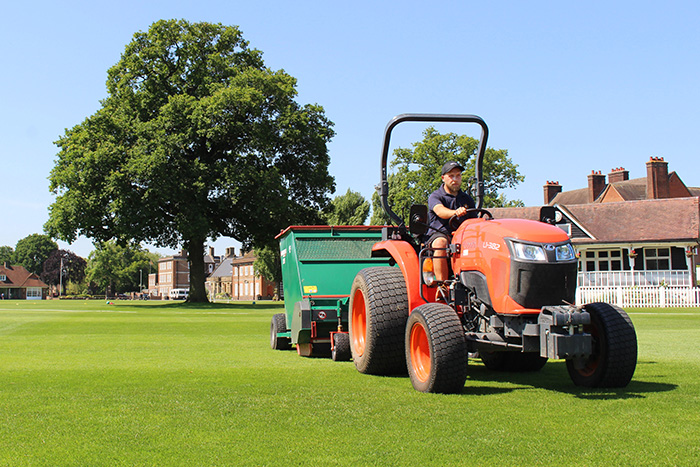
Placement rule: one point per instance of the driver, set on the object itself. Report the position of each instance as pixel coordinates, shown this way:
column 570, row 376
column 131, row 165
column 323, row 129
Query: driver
column 447, row 201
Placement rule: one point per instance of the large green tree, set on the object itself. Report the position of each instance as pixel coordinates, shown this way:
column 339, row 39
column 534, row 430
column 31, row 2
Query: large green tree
column 416, row 172
column 113, row 268
column 33, row 250
column 348, row 209
column 7, row 254
column 197, row 139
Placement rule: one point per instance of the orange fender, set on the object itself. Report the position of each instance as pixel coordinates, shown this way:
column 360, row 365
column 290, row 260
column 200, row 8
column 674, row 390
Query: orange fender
column 407, row 259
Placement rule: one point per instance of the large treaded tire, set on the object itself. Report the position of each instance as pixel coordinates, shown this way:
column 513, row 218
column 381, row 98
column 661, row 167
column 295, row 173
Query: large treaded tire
column 614, row 357
column 279, row 324
column 378, row 314
column 436, row 349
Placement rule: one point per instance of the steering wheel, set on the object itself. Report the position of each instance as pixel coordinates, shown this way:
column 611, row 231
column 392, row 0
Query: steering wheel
column 480, row 212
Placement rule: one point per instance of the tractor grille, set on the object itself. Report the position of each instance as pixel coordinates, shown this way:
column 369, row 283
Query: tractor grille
column 534, row 285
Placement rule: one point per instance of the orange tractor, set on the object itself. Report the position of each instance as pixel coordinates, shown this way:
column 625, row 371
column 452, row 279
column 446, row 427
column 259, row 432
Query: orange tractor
column 508, row 299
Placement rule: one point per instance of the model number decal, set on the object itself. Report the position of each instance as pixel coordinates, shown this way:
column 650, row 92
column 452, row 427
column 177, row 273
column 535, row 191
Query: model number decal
column 491, row 246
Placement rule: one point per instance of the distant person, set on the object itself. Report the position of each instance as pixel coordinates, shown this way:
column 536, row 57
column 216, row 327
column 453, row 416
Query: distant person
column 447, row 201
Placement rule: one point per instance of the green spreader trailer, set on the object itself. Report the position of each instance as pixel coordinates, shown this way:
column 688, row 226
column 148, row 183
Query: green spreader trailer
column 319, row 264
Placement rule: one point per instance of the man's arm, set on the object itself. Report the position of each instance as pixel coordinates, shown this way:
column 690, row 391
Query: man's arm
column 445, row 213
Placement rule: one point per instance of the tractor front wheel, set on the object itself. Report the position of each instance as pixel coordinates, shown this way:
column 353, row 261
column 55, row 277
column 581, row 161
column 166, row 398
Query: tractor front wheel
column 436, row 349
column 378, row 314
column 614, row 357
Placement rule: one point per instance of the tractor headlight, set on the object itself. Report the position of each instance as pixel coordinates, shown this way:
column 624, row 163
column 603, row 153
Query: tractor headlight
column 528, row 252
column 565, row 252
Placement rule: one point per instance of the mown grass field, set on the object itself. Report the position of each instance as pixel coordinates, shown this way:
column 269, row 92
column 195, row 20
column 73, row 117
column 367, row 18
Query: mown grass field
column 144, row 383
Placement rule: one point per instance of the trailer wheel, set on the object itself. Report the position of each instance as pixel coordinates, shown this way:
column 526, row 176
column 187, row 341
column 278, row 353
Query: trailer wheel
column 614, row 357
column 378, row 314
column 436, row 349
column 341, row 347
column 279, row 324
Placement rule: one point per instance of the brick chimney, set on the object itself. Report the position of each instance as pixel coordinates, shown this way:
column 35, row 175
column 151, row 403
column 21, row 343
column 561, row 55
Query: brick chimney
column 657, row 179
column 618, row 175
column 596, row 185
column 551, row 189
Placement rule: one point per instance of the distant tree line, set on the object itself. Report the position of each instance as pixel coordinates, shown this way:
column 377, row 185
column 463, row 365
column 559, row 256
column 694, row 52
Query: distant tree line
column 110, row 268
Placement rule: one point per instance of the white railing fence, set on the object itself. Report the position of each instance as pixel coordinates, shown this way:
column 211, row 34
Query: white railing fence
column 640, row 296
column 634, row 278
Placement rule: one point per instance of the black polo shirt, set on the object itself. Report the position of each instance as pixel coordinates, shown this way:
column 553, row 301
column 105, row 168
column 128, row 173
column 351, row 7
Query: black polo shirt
column 440, row 196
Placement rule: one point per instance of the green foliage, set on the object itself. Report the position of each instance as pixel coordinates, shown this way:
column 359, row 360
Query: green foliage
column 267, row 263
column 416, row 172
column 197, row 139
column 32, row 251
column 119, row 268
column 7, row 254
column 348, row 209
column 151, row 383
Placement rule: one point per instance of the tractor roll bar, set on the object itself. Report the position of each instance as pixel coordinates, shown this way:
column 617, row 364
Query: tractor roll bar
column 449, row 118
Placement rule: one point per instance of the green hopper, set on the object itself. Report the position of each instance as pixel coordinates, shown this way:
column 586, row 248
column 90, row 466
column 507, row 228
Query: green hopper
column 319, row 264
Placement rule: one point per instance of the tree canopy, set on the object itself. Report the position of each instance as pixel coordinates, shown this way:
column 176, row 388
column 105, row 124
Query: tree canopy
column 416, row 172
column 32, row 251
column 7, row 254
column 348, row 209
column 197, row 139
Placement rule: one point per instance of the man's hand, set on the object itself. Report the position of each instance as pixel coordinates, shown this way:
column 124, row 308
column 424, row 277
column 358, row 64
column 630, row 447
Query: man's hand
column 445, row 213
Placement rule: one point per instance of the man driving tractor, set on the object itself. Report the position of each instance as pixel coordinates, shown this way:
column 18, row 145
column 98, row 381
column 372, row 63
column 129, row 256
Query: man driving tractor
column 445, row 203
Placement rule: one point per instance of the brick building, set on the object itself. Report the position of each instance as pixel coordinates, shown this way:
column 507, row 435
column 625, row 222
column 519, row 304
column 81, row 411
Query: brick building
column 642, row 231
column 18, row 283
column 246, row 284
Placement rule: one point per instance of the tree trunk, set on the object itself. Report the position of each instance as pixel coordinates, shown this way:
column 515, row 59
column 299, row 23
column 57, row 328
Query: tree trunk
column 195, row 256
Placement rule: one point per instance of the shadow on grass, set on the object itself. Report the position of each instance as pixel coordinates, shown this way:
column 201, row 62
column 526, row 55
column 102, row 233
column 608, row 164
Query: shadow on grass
column 554, row 377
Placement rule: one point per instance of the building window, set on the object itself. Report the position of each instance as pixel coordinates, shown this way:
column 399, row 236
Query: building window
column 657, row 259
column 3, row 277
column 603, row 260
column 33, row 292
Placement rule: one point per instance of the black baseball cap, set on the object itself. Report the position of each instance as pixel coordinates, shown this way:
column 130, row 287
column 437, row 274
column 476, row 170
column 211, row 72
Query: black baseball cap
column 451, row 165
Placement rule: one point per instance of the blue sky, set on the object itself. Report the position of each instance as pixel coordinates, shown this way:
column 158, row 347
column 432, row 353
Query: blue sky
column 565, row 87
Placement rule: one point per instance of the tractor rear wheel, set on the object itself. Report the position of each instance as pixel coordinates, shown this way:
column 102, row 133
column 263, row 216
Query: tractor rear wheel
column 279, row 324
column 378, row 314
column 614, row 357
column 436, row 349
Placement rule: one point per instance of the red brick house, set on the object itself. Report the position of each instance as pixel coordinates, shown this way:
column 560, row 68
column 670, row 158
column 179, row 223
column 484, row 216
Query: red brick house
column 636, row 232
column 18, row 283
column 246, row 283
